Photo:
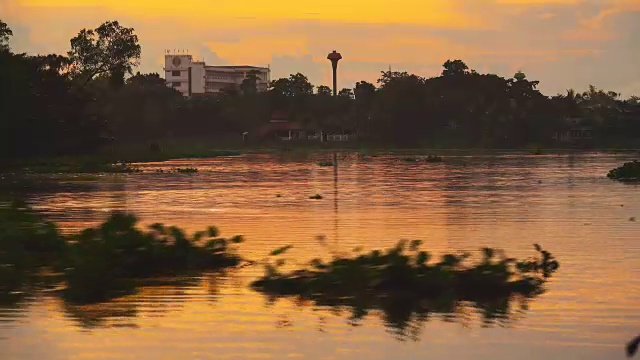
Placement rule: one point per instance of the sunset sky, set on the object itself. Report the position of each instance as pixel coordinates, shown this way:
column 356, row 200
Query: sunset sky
column 562, row 43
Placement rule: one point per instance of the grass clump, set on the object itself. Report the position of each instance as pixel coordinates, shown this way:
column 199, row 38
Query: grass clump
column 629, row 171
column 404, row 280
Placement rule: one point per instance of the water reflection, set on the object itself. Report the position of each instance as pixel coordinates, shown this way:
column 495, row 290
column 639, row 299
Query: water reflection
column 504, row 201
column 405, row 317
column 154, row 297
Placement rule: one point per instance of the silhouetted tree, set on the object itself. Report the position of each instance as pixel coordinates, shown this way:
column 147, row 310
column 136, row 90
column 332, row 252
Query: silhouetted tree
column 5, row 34
column 346, row 92
column 455, row 67
column 324, row 90
column 109, row 49
column 249, row 85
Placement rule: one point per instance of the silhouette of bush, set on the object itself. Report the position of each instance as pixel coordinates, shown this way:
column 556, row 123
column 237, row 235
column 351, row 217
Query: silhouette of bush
column 26, row 243
column 103, row 260
column 403, row 278
column 629, row 171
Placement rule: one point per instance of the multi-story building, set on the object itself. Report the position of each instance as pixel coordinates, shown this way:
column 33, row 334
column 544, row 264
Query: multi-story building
column 191, row 77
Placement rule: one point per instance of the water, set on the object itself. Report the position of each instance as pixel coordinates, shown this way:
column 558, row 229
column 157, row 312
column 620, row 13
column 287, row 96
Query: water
column 564, row 202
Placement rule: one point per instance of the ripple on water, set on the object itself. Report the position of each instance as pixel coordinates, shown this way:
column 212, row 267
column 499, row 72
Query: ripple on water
column 508, row 201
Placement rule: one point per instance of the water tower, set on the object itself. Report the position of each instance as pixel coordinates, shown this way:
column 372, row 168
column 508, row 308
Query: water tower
column 335, row 57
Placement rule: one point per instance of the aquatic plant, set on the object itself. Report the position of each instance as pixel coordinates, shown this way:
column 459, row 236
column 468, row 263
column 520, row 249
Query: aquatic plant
column 434, row 159
column 629, row 171
column 186, row 170
column 26, row 243
column 100, row 263
column 103, row 260
column 404, row 280
column 632, row 346
column 325, row 163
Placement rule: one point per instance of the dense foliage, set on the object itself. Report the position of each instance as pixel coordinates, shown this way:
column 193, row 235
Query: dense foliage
column 102, row 262
column 404, row 275
column 91, row 101
column 629, row 171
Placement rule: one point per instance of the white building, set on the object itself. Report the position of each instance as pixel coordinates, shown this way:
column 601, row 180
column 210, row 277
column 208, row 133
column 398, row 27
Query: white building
column 189, row 77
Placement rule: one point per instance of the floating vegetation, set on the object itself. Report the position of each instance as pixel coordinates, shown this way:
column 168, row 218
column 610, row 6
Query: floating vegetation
column 629, row 171
column 103, row 259
column 26, row 243
column 84, row 168
column 316, row 197
column 403, row 281
column 325, row 163
column 632, row 346
column 434, row 159
column 77, row 178
column 429, row 159
column 117, row 168
column 102, row 262
column 186, row 170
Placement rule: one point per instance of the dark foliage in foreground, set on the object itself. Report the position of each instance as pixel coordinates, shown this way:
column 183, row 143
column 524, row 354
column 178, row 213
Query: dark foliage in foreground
column 102, row 262
column 629, row 171
column 402, row 281
column 632, row 346
column 26, row 242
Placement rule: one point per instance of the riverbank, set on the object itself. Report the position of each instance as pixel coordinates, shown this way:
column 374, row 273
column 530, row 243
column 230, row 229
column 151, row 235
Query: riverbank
column 123, row 158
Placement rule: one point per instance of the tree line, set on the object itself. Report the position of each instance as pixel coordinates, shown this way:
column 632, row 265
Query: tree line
column 90, row 97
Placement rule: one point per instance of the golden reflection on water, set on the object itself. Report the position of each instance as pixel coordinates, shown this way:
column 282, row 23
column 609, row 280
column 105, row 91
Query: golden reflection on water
column 511, row 201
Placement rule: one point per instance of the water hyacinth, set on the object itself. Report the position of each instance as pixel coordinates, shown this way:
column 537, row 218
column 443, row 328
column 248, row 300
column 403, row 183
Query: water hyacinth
column 102, row 262
column 409, row 277
column 629, row 171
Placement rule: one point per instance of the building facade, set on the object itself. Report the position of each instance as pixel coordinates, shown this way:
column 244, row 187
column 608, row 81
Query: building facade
column 191, row 77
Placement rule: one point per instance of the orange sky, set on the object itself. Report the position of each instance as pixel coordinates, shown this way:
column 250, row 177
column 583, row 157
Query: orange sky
column 562, row 43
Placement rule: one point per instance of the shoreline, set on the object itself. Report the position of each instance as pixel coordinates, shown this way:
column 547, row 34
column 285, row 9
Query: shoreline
column 105, row 161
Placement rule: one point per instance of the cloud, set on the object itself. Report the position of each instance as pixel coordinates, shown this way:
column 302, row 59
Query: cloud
column 563, row 43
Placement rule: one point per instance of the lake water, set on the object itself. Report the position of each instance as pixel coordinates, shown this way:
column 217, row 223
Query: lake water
column 563, row 202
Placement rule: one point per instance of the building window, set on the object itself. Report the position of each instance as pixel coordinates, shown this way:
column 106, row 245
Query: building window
column 175, row 73
column 177, row 84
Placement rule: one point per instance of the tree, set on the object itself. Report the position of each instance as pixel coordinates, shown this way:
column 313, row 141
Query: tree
column 5, row 34
column 455, row 67
column 294, row 85
column 519, row 76
column 364, row 90
column 324, row 90
column 389, row 76
column 110, row 50
column 346, row 93
column 249, row 85
column 633, row 100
